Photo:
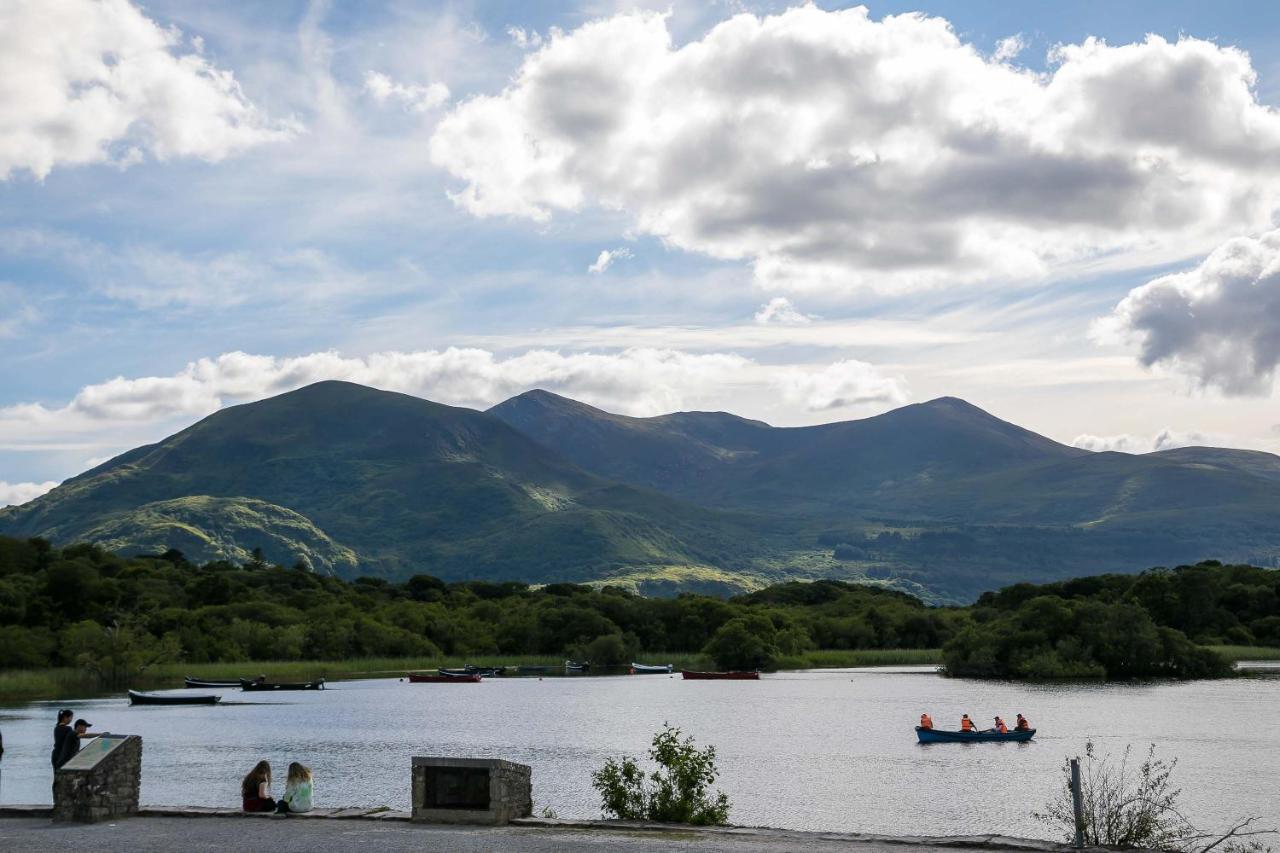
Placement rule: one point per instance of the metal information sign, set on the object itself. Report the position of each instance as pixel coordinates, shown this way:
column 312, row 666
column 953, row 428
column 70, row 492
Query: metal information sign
column 91, row 752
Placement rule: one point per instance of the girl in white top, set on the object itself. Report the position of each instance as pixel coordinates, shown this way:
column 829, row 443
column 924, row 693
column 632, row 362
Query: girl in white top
column 297, row 790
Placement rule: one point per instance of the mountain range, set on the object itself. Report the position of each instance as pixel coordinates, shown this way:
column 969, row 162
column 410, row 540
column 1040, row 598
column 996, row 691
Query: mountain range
column 940, row 498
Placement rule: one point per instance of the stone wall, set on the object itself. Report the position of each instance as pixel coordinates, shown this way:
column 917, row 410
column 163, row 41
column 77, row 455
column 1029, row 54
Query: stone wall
column 106, row 791
column 471, row 790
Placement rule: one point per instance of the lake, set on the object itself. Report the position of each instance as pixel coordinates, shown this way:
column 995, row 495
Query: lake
column 830, row 749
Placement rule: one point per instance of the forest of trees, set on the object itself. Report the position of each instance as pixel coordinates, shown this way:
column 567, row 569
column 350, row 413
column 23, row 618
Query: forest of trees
column 62, row 606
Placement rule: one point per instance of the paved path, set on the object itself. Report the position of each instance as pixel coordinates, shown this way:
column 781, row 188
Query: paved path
column 295, row 835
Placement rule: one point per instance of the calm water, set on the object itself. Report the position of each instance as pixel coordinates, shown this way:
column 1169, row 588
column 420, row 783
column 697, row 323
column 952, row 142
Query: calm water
column 828, row 750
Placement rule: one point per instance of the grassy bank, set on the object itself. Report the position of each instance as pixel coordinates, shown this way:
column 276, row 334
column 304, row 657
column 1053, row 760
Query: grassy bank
column 1238, row 653
column 36, row 685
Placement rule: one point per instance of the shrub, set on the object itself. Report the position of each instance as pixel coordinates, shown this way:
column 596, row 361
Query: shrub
column 1127, row 807
column 679, row 791
column 743, row 643
column 1123, row 806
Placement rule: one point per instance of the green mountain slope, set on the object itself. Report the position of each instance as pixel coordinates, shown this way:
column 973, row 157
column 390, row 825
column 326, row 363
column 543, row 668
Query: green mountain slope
column 359, row 480
column 941, row 493
column 941, row 498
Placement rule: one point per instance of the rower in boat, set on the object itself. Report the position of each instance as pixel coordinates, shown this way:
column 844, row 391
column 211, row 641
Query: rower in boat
column 926, row 722
column 966, row 724
column 1022, row 725
column 1001, row 727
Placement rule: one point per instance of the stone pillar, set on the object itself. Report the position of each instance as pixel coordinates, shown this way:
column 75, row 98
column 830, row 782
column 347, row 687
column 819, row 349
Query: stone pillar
column 101, row 782
column 471, row 790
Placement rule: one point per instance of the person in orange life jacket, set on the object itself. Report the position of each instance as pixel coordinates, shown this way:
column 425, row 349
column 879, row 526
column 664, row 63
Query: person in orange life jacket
column 926, row 722
column 1022, row 725
column 966, row 724
column 1001, row 727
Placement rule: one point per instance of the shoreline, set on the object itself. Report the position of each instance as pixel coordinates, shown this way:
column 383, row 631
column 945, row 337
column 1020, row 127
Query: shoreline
column 63, row 683
column 57, row 684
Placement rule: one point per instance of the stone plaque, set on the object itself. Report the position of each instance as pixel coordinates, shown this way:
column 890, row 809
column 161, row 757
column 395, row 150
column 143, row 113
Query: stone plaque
column 457, row 788
column 91, row 752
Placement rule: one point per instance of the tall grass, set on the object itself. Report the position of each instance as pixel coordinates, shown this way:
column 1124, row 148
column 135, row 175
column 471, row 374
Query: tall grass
column 840, row 658
column 1238, row 653
column 25, row 685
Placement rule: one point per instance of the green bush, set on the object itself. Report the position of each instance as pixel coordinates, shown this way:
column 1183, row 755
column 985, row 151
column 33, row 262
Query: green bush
column 679, row 791
column 743, row 643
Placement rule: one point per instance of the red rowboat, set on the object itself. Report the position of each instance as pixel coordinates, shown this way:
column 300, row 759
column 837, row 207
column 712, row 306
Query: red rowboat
column 720, row 676
column 444, row 679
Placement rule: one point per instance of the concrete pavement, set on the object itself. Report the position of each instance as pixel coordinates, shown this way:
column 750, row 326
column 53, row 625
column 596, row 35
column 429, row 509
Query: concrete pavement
column 393, row 833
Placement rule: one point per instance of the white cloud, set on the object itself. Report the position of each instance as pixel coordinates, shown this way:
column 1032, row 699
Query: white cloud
column 1007, row 49
column 524, row 39
column 12, row 494
column 841, row 385
column 1218, row 324
column 607, row 257
column 835, row 152
column 636, row 381
column 99, row 82
column 411, row 96
column 1165, row 439
column 781, row 311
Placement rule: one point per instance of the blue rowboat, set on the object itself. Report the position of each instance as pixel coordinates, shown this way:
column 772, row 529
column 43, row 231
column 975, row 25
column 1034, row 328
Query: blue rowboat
column 940, row 736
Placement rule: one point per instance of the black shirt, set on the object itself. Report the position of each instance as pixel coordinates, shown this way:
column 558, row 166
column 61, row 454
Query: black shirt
column 65, row 744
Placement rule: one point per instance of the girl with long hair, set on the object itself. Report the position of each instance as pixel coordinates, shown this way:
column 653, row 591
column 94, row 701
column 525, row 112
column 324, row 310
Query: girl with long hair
column 255, row 790
column 297, row 791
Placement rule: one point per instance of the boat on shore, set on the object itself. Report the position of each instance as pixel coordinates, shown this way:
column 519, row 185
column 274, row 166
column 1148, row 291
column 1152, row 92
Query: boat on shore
column 444, row 678
column 137, row 697
column 204, row 682
column 986, row 736
column 254, row 686
column 694, row 675
column 482, row 671
column 651, row 668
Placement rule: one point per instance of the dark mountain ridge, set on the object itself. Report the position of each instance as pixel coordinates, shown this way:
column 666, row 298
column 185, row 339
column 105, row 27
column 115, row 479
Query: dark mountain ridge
column 940, row 498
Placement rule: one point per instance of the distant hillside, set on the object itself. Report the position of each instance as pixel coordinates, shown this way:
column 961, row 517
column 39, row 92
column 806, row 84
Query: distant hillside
column 940, row 493
column 354, row 480
column 940, row 499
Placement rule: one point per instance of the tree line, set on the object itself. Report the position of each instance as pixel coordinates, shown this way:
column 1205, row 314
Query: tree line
column 65, row 606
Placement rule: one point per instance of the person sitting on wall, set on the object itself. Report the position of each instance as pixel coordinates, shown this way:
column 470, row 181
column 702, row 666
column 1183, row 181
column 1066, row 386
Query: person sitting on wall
column 297, row 791
column 255, row 790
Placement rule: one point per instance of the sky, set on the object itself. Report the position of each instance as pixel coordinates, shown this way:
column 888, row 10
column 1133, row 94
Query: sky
column 1064, row 213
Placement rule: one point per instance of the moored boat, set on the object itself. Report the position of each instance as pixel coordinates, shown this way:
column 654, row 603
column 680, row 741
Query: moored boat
column 318, row 684
column 444, row 678
column 204, row 682
column 988, row 736
column 694, row 675
column 576, row 666
column 482, row 671
column 137, row 697
column 650, row 668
